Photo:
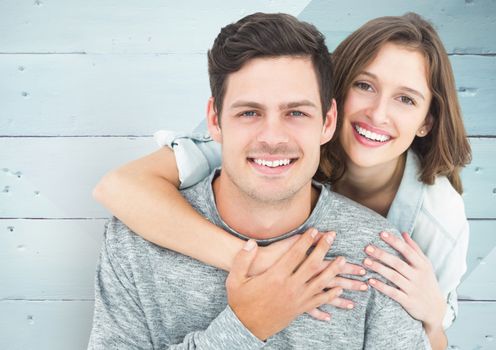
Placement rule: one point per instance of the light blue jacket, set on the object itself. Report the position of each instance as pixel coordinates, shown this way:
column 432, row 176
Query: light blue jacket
column 434, row 215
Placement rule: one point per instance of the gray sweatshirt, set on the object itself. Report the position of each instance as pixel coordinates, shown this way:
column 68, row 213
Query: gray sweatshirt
column 148, row 297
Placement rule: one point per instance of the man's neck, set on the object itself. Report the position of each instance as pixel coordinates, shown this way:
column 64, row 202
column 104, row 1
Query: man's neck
column 262, row 220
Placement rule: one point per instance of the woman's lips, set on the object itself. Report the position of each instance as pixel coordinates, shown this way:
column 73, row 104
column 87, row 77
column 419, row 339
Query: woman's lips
column 370, row 136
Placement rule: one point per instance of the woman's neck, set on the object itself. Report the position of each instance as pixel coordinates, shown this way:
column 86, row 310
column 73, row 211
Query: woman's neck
column 373, row 187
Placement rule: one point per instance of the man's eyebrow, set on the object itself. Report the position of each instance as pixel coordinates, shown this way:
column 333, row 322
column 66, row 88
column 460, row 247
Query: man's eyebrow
column 289, row 105
column 249, row 104
column 295, row 104
column 406, row 88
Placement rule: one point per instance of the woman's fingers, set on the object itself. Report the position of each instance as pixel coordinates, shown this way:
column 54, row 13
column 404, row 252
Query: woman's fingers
column 391, row 260
column 319, row 315
column 412, row 243
column 393, row 293
column 342, row 303
column 347, row 283
column 352, row 269
column 401, row 246
column 390, row 274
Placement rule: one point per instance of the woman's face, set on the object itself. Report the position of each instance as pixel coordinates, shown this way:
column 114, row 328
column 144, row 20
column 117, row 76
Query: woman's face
column 386, row 107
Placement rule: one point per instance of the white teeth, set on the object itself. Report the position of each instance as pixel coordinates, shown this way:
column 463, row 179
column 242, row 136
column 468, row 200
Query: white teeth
column 272, row 164
column 371, row 135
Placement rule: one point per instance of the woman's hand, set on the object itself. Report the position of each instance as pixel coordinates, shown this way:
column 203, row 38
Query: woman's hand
column 417, row 287
column 269, row 255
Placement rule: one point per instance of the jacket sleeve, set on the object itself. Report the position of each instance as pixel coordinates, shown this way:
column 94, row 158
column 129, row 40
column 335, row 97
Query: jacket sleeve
column 197, row 155
column 121, row 322
column 453, row 268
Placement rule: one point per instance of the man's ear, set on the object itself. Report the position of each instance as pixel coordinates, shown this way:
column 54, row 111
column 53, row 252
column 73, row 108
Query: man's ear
column 330, row 123
column 213, row 121
column 426, row 127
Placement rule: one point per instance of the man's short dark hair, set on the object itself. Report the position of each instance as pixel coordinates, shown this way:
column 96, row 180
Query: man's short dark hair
column 267, row 35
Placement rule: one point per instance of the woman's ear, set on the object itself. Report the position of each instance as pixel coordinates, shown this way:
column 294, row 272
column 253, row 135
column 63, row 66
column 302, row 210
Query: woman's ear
column 213, row 121
column 426, row 127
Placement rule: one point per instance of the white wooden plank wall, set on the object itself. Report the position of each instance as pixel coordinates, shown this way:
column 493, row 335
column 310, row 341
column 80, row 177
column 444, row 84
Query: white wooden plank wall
column 83, row 85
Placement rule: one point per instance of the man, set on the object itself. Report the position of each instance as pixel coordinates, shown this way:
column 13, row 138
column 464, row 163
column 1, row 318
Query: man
column 271, row 109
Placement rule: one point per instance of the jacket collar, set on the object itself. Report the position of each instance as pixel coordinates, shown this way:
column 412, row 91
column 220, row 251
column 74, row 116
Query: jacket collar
column 408, row 200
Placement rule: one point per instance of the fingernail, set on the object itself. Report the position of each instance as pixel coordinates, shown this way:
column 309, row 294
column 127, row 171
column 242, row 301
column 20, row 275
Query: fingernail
column 370, row 249
column 362, row 272
column 330, row 237
column 339, row 292
column 367, row 262
column 313, row 232
column 384, row 234
column 327, row 318
column 364, row 287
column 249, row 245
column 349, row 306
column 372, row 281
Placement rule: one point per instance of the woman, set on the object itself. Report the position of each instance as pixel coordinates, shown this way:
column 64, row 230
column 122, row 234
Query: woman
column 398, row 149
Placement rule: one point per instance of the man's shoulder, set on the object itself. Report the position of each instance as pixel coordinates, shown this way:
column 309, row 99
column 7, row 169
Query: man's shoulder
column 119, row 239
column 350, row 213
column 125, row 246
column 200, row 196
column 355, row 225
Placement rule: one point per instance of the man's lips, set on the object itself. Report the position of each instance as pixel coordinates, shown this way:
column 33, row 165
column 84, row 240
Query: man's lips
column 272, row 165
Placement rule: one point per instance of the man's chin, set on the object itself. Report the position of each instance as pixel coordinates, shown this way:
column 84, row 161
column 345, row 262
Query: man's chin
column 270, row 196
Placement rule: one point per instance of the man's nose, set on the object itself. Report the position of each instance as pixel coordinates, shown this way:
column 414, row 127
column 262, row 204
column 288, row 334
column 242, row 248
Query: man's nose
column 273, row 130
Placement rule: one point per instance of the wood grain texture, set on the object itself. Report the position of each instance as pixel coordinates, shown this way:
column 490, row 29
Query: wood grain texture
column 45, row 325
column 481, row 283
column 481, row 243
column 48, row 26
column 464, row 26
column 49, row 259
column 55, row 95
column 474, row 328
column 101, row 94
column 479, row 179
column 55, row 176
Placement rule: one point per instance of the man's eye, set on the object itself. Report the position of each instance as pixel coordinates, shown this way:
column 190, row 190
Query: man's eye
column 297, row 114
column 407, row 100
column 249, row 114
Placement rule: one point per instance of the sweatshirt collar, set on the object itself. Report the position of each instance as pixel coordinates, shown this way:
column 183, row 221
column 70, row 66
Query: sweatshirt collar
column 310, row 222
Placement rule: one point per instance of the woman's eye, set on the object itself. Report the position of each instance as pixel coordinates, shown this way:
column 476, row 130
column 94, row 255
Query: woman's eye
column 363, row 86
column 407, row 100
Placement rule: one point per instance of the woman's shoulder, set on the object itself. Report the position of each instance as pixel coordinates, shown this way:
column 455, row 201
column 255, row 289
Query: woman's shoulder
column 441, row 198
column 443, row 209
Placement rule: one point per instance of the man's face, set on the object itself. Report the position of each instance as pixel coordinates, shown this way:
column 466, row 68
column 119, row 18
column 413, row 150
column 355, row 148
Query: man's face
column 271, row 128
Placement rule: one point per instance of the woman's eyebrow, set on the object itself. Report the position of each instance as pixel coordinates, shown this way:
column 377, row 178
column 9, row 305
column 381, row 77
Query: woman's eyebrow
column 406, row 88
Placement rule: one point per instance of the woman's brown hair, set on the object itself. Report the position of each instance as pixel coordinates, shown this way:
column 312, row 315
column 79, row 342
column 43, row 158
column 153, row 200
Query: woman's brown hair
column 445, row 150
